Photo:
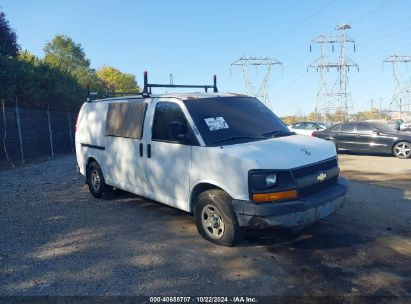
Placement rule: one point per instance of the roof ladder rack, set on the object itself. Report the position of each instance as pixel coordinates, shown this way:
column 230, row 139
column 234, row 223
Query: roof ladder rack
column 149, row 86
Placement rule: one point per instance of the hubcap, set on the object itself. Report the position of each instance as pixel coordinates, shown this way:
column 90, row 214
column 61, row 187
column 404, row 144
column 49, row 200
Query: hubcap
column 212, row 222
column 95, row 180
column 403, row 150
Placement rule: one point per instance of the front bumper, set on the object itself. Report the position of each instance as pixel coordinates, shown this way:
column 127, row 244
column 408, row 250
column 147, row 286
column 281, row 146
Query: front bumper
column 291, row 214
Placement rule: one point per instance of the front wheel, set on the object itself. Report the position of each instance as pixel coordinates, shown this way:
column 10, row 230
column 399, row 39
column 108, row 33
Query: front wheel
column 402, row 150
column 215, row 218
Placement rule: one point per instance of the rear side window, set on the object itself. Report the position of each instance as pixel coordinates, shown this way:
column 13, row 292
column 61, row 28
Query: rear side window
column 125, row 119
column 335, row 128
column 347, row 128
column 363, row 128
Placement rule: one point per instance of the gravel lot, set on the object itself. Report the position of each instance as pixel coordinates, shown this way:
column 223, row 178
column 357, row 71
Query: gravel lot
column 55, row 239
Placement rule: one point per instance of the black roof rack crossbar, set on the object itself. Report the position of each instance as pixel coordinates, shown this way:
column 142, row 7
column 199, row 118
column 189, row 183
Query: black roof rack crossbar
column 148, row 86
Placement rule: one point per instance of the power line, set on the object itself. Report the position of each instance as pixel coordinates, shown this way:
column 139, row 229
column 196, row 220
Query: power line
column 391, row 24
column 362, row 17
column 386, row 35
column 284, row 89
column 300, row 23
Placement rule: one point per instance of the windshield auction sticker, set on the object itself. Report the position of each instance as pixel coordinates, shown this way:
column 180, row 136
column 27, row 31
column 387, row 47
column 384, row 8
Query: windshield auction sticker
column 216, row 123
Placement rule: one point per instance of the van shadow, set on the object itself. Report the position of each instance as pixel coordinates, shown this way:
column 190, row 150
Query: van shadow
column 320, row 235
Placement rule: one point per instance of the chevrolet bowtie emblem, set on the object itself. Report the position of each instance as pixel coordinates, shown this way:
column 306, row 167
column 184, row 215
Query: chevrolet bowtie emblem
column 305, row 151
column 321, row 177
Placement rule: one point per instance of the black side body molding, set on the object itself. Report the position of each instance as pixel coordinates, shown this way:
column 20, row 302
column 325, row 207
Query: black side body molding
column 93, row 146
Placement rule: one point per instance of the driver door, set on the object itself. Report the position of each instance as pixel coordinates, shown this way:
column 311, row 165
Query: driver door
column 168, row 161
column 346, row 137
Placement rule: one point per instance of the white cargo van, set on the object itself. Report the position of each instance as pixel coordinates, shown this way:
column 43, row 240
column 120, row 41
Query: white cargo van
column 226, row 158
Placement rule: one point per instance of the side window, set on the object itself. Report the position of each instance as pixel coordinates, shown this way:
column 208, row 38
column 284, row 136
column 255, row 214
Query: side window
column 348, row 128
column 311, row 126
column 125, row 119
column 166, row 113
column 298, row 125
column 335, row 128
column 363, row 128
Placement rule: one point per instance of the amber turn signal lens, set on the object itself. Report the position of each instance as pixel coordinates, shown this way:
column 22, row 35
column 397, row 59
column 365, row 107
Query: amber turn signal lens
column 276, row 196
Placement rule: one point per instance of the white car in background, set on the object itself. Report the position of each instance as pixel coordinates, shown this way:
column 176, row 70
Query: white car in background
column 405, row 126
column 307, row 127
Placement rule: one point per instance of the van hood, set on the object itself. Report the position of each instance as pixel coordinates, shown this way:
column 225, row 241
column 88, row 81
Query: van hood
column 283, row 152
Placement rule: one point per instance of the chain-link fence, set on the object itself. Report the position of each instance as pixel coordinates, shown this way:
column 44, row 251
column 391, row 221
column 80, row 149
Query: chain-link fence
column 27, row 134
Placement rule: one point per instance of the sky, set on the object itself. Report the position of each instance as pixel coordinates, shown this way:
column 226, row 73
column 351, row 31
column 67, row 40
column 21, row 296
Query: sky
column 194, row 40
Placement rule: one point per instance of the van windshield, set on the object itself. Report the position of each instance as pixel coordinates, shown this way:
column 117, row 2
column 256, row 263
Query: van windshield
column 232, row 120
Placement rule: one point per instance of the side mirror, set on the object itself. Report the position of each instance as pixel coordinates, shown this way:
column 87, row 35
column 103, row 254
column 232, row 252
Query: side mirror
column 178, row 131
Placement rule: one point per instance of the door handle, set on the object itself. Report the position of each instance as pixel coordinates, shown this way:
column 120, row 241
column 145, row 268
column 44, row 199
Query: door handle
column 149, row 151
column 141, row 149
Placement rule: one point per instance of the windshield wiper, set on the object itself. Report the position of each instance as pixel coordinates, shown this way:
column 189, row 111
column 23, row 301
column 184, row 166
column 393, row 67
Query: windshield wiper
column 277, row 133
column 238, row 138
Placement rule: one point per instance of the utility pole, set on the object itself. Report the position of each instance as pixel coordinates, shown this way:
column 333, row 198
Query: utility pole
column 334, row 96
column 402, row 84
column 259, row 64
column 372, row 101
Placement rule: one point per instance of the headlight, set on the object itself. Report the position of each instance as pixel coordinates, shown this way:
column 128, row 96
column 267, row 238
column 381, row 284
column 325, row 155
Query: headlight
column 270, row 185
column 271, row 180
column 260, row 181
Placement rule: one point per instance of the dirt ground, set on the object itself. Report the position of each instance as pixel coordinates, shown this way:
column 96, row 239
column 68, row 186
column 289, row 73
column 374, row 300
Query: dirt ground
column 55, row 239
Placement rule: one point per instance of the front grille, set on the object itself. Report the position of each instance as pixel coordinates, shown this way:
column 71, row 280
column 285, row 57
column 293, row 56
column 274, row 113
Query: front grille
column 317, row 188
column 312, row 169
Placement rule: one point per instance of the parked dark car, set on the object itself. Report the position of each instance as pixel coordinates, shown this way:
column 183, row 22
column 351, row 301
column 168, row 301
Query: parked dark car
column 368, row 137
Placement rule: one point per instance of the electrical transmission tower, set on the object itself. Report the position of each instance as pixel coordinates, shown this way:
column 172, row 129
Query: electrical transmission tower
column 402, row 85
column 334, row 96
column 265, row 64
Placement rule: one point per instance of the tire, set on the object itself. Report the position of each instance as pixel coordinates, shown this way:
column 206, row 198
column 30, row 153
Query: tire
column 215, row 218
column 402, row 150
column 95, row 180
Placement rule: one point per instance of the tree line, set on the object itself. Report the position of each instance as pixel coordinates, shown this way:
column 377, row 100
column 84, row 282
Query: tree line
column 58, row 81
column 374, row 114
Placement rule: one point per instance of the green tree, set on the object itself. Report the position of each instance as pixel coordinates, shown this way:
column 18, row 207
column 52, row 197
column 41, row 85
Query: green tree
column 116, row 81
column 69, row 57
column 38, row 85
column 62, row 52
column 88, row 78
column 8, row 38
column 312, row 116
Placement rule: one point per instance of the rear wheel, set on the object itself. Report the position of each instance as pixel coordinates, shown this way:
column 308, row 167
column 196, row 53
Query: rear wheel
column 95, row 180
column 402, row 149
column 215, row 218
